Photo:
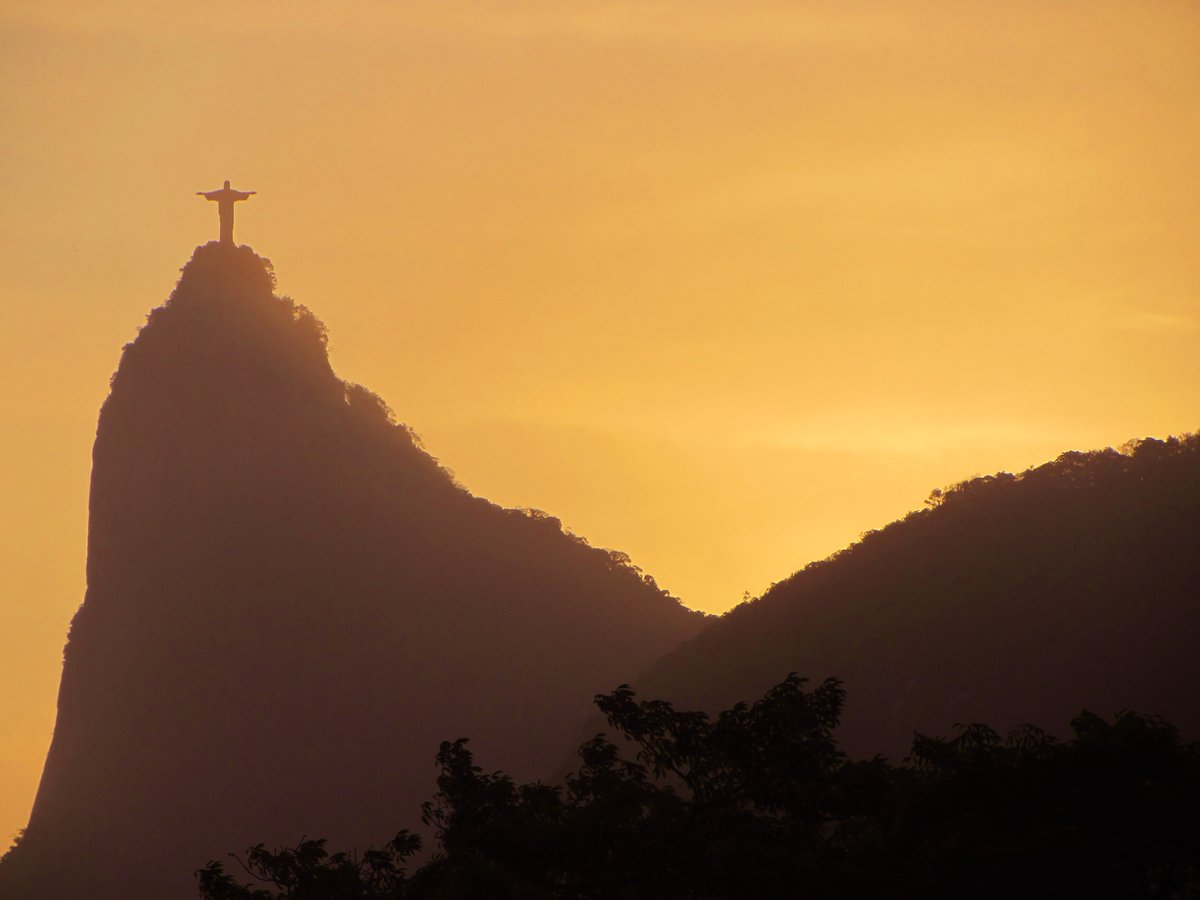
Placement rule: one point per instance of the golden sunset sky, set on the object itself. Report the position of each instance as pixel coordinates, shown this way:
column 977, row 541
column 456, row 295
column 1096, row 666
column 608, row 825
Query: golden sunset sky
column 721, row 285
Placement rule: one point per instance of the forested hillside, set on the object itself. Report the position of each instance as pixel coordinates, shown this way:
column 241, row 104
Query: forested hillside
column 1009, row 599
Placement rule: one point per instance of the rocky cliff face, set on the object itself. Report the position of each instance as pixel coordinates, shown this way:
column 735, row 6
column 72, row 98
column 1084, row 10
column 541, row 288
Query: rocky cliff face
column 290, row 604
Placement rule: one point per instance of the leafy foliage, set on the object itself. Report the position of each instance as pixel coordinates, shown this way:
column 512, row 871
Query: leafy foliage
column 308, row 872
column 760, row 802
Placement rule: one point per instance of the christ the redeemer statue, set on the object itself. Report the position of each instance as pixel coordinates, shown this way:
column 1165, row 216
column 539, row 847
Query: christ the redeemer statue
column 225, row 199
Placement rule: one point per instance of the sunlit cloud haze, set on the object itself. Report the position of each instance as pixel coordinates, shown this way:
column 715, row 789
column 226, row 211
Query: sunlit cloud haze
column 719, row 285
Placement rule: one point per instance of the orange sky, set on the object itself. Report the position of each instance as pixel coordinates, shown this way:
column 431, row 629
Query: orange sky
column 721, row 285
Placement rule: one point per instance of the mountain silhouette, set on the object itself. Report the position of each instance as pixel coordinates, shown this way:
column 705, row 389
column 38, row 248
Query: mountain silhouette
column 290, row 604
column 1012, row 599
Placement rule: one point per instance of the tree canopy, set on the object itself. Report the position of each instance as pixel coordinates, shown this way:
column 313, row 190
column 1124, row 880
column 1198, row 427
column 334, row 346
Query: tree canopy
column 761, row 802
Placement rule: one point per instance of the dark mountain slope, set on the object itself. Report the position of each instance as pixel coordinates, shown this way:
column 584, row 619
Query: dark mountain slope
column 290, row 604
column 1013, row 599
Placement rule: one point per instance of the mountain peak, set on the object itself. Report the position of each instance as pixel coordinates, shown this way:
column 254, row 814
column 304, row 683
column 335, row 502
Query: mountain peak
column 224, row 315
column 290, row 604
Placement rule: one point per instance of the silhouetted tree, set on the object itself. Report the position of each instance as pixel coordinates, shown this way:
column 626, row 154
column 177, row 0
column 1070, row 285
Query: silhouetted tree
column 308, row 872
column 761, row 803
